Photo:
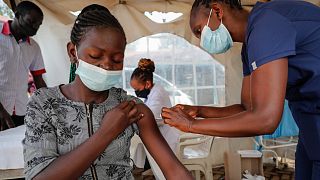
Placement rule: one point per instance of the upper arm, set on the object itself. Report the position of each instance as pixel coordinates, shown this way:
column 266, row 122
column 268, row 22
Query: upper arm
column 149, row 131
column 37, row 65
column 155, row 143
column 245, row 93
column 267, row 90
column 40, row 140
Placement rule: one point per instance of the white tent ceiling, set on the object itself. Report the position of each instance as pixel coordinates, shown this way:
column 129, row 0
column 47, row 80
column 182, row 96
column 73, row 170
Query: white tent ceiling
column 55, row 31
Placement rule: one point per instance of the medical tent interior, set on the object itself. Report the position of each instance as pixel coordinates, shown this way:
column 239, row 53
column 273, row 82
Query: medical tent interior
column 159, row 30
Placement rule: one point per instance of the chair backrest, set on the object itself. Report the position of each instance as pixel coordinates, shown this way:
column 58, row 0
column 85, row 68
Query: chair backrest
column 194, row 146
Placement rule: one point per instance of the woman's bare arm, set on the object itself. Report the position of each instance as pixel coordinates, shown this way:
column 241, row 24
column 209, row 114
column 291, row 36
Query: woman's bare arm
column 158, row 147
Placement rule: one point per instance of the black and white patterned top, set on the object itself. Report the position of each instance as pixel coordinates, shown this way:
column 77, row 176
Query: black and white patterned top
column 56, row 125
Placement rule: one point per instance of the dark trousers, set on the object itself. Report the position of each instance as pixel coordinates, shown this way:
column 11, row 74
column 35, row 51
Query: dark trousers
column 306, row 169
column 308, row 149
column 17, row 120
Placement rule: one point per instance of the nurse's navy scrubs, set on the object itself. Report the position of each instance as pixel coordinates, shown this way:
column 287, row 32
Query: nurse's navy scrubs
column 291, row 29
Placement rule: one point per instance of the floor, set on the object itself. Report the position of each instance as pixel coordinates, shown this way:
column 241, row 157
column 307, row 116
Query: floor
column 270, row 173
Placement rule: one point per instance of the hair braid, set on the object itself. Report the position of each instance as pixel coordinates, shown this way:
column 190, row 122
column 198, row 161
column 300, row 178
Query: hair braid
column 233, row 3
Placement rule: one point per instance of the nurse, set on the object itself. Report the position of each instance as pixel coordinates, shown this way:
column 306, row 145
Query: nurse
column 156, row 97
column 281, row 59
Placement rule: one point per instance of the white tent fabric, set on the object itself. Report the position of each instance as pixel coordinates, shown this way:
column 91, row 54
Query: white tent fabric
column 55, row 31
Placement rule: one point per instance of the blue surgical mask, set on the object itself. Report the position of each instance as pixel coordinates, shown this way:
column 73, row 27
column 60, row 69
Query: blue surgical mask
column 96, row 78
column 215, row 42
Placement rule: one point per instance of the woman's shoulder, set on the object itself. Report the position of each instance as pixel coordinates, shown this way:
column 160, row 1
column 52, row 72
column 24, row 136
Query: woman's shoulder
column 122, row 95
column 44, row 93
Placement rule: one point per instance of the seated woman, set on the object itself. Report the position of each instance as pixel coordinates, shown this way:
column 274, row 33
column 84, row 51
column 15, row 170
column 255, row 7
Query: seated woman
column 82, row 130
column 156, row 97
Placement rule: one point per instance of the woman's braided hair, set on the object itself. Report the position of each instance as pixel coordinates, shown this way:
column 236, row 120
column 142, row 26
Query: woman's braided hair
column 233, row 3
column 92, row 16
column 144, row 71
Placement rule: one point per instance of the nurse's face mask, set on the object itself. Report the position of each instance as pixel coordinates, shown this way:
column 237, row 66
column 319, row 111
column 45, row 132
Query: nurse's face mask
column 143, row 93
column 96, row 78
column 215, row 42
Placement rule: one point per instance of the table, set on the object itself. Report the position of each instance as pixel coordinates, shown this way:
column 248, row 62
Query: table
column 11, row 152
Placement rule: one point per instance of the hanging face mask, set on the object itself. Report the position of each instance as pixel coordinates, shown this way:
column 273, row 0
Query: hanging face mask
column 96, row 78
column 215, row 42
column 143, row 93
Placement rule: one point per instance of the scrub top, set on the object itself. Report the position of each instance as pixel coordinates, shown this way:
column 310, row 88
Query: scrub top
column 290, row 29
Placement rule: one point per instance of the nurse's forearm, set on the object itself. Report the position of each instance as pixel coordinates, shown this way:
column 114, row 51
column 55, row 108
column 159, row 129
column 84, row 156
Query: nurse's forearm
column 244, row 124
column 219, row 112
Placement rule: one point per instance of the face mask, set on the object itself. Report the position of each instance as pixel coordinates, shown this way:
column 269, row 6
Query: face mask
column 143, row 93
column 95, row 78
column 215, row 42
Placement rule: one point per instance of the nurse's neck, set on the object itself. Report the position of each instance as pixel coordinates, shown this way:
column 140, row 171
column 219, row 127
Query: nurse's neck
column 236, row 22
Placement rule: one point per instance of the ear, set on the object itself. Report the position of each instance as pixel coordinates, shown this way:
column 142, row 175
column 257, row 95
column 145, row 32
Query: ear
column 72, row 52
column 217, row 10
column 148, row 84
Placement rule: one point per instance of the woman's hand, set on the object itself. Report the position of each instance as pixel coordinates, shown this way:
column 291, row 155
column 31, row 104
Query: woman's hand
column 5, row 119
column 120, row 117
column 178, row 118
column 193, row 111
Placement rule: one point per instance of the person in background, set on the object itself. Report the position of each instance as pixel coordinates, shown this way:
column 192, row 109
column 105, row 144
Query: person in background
column 82, row 130
column 281, row 60
column 19, row 54
column 156, row 97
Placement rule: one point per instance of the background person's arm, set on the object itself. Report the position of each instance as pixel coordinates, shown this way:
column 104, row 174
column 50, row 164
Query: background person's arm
column 159, row 148
column 39, row 82
column 263, row 106
column 5, row 119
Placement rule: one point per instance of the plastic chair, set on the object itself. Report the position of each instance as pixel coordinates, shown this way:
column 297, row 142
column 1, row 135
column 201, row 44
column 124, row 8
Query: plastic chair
column 194, row 152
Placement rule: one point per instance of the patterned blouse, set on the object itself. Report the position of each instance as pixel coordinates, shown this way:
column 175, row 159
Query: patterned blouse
column 56, row 125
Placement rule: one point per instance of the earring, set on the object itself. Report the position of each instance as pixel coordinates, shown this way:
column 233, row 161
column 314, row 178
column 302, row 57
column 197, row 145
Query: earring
column 72, row 75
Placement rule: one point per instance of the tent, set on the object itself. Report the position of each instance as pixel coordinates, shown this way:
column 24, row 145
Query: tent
column 55, row 31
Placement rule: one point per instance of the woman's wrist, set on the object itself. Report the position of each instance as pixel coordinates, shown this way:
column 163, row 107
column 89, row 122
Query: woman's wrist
column 104, row 135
